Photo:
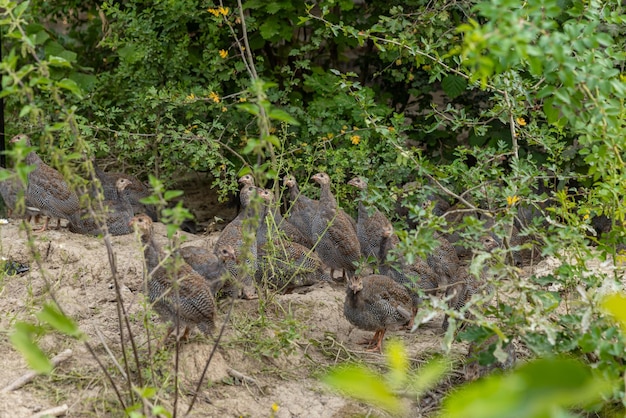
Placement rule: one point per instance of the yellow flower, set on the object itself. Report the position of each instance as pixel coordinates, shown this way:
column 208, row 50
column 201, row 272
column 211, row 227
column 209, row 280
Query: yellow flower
column 191, row 96
column 223, row 53
column 511, row 200
column 392, row 129
column 213, row 96
column 586, row 216
column 521, row 121
column 243, row 99
column 355, row 139
column 220, row 11
column 275, row 407
column 224, row 109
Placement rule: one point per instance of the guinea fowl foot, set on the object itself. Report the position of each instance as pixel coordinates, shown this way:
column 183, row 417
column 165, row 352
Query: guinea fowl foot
column 375, row 343
column 44, row 227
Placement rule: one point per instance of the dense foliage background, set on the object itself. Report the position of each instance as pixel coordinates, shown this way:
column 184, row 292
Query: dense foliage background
column 505, row 106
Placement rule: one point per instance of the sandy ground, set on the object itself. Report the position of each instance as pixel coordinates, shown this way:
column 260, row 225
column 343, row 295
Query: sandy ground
column 282, row 353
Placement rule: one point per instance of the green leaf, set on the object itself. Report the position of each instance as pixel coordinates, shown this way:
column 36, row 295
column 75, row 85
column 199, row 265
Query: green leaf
column 360, row 383
column 172, row 194
column 55, row 61
column 615, row 305
column 22, row 341
column 52, row 316
column 453, row 85
column 398, row 363
column 71, row 85
column 281, row 115
column 534, row 390
column 429, row 375
column 250, row 108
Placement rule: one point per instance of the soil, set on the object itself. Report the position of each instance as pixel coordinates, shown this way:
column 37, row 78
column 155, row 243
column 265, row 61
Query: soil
column 282, row 353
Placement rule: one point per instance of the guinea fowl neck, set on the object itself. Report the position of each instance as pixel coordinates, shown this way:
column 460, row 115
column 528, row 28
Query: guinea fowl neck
column 294, row 192
column 151, row 251
column 33, row 158
column 327, row 199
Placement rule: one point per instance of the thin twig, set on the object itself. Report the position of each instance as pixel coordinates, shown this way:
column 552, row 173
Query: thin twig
column 52, row 412
column 28, row 377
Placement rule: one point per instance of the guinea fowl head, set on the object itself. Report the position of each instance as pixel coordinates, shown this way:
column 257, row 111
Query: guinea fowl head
column 387, row 231
column 226, row 252
column 143, row 224
column 289, row 181
column 358, row 182
column 122, row 183
column 488, row 242
column 321, row 178
column 265, row 194
column 247, row 180
column 355, row 283
column 20, row 138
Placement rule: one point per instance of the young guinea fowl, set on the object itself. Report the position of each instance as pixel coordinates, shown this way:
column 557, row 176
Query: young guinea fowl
column 370, row 223
column 175, row 291
column 286, row 265
column 210, row 264
column 302, row 209
column 11, row 189
column 47, row 189
column 292, row 233
column 336, row 241
column 136, row 191
column 118, row 213
column 466, row 284
column 417, row 275
column 377, row 303
column 240, row 233
column 445, row 262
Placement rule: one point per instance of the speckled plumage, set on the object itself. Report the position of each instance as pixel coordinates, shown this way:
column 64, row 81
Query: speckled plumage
column 337, row 243
column 284, row 264
column 369, row 224
column 417, row 275
column 175, row 292
column 11, row 190
column 240, row 234
column 210, row 264
column 134, row 192
column 377, row 303
column 47, row 190
column 117, row 214
column 444, row 261
column 302, row 209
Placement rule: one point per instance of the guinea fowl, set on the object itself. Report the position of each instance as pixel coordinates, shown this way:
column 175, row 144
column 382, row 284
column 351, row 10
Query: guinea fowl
column 47, row 190
column 444, row 261
column 284, row 226
column 370, row 223
column 336, row 241
column 136, row 191
column 240, row 234
column 302, row 209
column 377, row 303
column 461, row 291
column 11, row 190
column 177, row 292
column 284, row 264
column 209, row 264
column 414, row 276
column 117, row 214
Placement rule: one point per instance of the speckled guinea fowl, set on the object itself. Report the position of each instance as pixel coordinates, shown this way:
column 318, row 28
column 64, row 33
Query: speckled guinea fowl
column 210, row 264
column 302, row 209
column 445, row 262
column 283, row 264
column 47, row 190
column 285, row 227
column 466, row 285
column 369, row 224
column 377, row 303
column 11, row 190
column 175, row 291
column 240, row 234
column 417, row 275
column 136, row 191
column 117, row 214
column 337, row 243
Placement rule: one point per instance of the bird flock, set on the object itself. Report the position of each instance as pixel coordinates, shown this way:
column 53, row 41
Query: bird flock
column 313, row 241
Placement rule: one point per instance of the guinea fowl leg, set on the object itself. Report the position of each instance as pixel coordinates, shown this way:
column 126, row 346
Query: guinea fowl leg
column 378, row 341
column 45, row 225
